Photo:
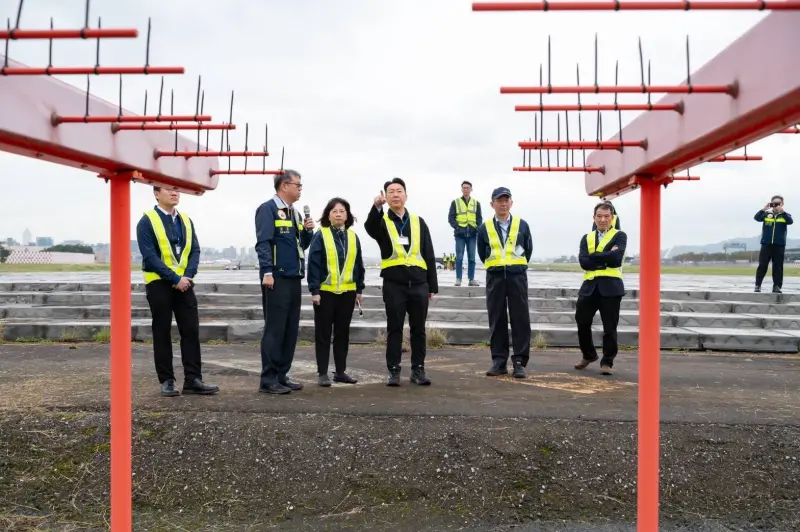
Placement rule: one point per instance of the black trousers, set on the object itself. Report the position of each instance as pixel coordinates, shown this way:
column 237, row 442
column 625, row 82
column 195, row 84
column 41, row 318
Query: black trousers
column 165, row 301
column 401, row 299
column 333, row 314
column 770, row 252
column 508, row 295
column 281, row 307
column 585, row 311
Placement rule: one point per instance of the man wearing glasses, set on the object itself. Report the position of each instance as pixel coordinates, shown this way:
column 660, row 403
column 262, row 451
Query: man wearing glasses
column 282, row 236
column 774, row 221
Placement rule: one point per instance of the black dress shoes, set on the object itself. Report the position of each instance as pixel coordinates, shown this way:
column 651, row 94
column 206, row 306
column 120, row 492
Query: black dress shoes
column 497, row 370
column 276, row 388
column 293, row 386
column 198, row 387
column 418, row 377
column 168, row 388
column 344, row 378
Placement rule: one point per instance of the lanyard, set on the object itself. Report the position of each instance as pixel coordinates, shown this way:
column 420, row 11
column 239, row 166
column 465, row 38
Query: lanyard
column 405, row 223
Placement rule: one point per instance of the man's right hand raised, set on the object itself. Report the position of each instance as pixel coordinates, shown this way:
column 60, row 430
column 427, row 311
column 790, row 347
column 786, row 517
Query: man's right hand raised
column 268, row 281
column 380, row 200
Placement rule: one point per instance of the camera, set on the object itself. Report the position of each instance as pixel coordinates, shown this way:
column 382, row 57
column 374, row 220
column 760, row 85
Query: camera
column 774, row 204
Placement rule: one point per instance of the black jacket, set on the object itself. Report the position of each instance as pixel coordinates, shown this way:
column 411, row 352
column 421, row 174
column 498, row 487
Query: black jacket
column 317, row 261
column 524, row 238
column 608, row 286
column 773, row 227
column 403, row 274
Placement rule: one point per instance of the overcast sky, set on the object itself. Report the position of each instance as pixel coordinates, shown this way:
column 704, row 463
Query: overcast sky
column 359, row 91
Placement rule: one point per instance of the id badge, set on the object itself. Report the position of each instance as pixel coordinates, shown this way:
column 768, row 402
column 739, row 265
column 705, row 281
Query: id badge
column 519, row 251
column 403, row 240
column 178, row 250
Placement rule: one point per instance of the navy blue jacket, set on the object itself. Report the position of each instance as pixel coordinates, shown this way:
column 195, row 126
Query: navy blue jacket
column 468, row 231
column 485, row 250
column 608, row 286
column 774, row 227
column 318, row 261
column 151, row 253
column 277, row 250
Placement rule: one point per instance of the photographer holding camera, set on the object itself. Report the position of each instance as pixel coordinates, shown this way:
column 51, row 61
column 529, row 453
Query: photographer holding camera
column 774, row 222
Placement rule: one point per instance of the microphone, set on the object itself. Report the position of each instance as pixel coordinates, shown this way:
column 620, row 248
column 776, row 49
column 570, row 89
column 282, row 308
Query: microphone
column 307, row 211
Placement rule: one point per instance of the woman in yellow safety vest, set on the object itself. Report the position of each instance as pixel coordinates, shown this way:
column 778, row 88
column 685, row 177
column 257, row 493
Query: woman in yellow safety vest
column 336, row 281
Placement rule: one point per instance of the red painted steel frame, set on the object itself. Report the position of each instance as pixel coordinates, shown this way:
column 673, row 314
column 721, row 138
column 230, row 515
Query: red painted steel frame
column 713, row 125
column 84, row 33
column 556, row 169
column 26, row 110
column 582, row 144
column 622, row 5
column 600, row 107
column 247, row 172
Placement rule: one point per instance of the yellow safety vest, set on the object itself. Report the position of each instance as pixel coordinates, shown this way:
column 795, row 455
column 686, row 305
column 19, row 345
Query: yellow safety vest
column 399, row 256
column 466, row 215
column 593, row 246
column 339, row 281
column 301, row 254
column 167, row 254
column 499, row 255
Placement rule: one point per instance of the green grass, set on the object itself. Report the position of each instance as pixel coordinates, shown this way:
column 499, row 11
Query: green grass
column 675, row 270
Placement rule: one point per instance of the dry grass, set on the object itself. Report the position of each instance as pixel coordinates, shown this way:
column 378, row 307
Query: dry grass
column 435, row 338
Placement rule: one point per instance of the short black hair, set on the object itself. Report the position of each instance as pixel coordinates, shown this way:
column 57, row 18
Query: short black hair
column 777, row 196
column 604, row 205
column 466, row 183
column 395, row 181
column 156, row 189
column 285, row 177
column 325, row 221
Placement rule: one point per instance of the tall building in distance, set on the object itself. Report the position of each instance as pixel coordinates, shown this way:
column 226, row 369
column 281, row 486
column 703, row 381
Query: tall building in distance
column 27, row 239
column 44, row 241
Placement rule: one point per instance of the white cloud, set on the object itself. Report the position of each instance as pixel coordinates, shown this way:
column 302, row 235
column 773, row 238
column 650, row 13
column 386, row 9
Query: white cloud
column 359, row 91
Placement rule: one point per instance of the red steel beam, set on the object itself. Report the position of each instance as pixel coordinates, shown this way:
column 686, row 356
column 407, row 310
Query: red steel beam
column 585, row 144
column 171, row 127
column 684, row 178
column 730, row 89
column 85, row 71
column 685, row 5
column 711, row 126
column 188, row 154
column 246, row 172
column 790, row 131
column 85, row 33
column 601, row 107
column 723, row 158
column 110, row 119
column 558, row 169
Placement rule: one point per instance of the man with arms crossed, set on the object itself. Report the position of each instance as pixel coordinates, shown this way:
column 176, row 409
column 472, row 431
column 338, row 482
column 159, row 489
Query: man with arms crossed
column 408, row 268
column 505, row 247
column 281, row 240
column 601, row 255
column 170, row 258
column 465, row 218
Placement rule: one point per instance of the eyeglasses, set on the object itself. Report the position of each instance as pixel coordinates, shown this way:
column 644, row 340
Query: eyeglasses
column 298, row 185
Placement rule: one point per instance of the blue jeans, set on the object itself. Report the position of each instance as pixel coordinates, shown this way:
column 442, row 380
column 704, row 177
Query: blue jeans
column 470, row 242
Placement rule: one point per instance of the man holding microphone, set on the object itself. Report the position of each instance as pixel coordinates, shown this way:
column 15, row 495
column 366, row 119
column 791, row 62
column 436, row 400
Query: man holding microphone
column 282, row 236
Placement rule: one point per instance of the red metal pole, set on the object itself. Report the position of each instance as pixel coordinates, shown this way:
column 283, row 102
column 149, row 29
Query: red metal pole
column 685, row 178
column 622, row 89
column 120, row 354
column 170, row 127
column 84, row 71
column 685, row 5
column 125, row 119
column 723, row 158
column 559, row 169
column 85, row 33
column 188, row 154
column 245, row 172
column 586, row 144
column 649, row 356
column 603, row 107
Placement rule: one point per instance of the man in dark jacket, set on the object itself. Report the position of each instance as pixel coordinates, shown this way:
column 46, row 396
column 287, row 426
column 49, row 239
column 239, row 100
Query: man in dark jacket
column 505, row 247
column 601, row 255
column 282, row 236
column 774, row 221
column 408, row 269
column 465, row 218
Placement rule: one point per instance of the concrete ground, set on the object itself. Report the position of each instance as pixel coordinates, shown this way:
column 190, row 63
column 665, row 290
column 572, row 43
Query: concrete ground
column 555, row 451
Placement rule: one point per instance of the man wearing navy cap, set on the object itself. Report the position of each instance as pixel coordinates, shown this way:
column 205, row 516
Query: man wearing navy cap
column 505, row 247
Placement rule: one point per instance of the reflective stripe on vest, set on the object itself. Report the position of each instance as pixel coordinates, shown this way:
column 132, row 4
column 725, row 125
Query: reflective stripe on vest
column 466, row 215
column 280, row 225
column 499, row 255
column 592, row 245
column 399, row 256
column 339, row 281
column 164, row 245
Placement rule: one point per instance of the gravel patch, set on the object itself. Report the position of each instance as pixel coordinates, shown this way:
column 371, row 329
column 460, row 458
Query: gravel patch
column 249, row 471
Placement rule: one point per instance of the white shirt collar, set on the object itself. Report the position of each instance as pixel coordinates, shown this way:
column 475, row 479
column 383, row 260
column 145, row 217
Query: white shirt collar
column 280, row 203
column 173, row 216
